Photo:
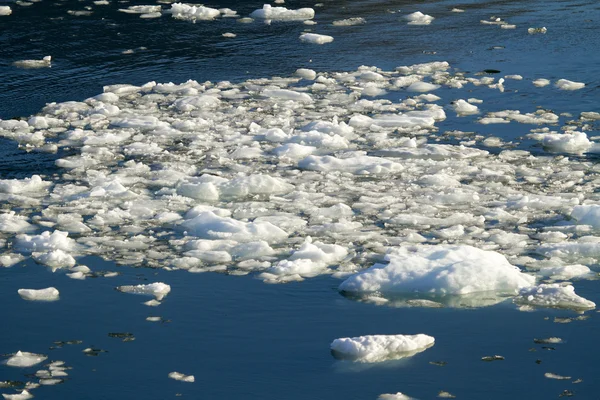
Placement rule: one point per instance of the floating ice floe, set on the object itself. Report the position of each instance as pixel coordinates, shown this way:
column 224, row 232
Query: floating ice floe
column 158, row 289
column 46, row 241
column 269, row 12
column 178, row 376
column 378, row 348
column 541, row 82
column 418, row 18
column 567, row 142
column 48, row 294
column 349, row 21
column 532, row 31
column 439, row 270
column 316, row 38
column 588, row 214
column 462, row 108
column 55, row 259
column 553, row 295
column 565, row 84
column 394, row 396
column 193, row 13
column 25, row 359
column 11, row 222
column 45, row 62
column 566, row 272
column 5, row 10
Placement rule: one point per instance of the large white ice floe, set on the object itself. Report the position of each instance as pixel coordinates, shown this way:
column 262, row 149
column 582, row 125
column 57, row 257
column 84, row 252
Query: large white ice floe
column 378, row 348
column 158, row 289
column 24, row 359
column 48, row 294
column 439, row 270
column 269, row 12
column 553, row 295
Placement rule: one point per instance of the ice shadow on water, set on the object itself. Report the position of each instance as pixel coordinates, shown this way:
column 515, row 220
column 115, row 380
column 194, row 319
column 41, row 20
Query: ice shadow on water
column 345, row 364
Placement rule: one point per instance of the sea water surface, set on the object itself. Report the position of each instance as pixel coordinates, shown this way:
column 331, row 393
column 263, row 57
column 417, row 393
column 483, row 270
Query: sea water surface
column 242, row 338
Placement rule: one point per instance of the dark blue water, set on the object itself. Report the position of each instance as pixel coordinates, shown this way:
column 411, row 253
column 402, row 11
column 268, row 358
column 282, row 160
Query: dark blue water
column 242, row 338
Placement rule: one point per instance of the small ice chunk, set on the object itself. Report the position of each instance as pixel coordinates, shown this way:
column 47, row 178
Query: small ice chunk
column 158, row 289
column 418, row 18
column 588, row 214
column 13, row 223
column 269, row 12
column 553, row 295
column 566, row 272
column 57, row 240
column 316, row 38
column 192, row 13
column 48, row 294
column 349, row 21
column 307, row 74
column 45, row 62
column 394, row 396
column 462, row 108
column 55, row 259
column 286, row 94
column 531, row 31
column 18, row 186
column 422, row 87
column 5, row 10
column 551, row 375
column 178, row 376
column 564, row 84
column 541, row 82
column 25, row 359
column 441, row 269
column 377, row 348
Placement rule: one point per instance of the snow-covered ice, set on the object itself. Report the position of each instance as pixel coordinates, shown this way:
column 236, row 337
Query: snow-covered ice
column 418, row 18
column 553, row 295
column 378, row 348
column 269, row 12
column 24, row 359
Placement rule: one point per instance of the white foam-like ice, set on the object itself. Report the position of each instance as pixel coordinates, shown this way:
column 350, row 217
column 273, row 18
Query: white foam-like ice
column 24, row 359
column 418, row 18
column 378, row 348
column 158, row 289
column 46, row 241
column 193, row 13
column 442, row 269
column 47, row 294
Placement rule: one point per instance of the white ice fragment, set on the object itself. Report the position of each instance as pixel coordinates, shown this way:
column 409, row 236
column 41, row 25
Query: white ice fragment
column 5, row 10
column 359, row 165
column 566, row 272
column 46, row 241
column 45, row 62
column 48, row 294
column 422, row 87
column 564, row 84
column 551, row 375
column 282, row 14
column 531, row 31
column 378, row 348
column 10, row 259
column 418, row 18
column 349, row 21
column 25, row 359
column 13, row 223
column 178, row 376
column 24, row 395
column 568, row 142
column 315, row 38
column 462, row 108
column 55, row 259
column 541, row 82
column 306, row 73
column 17, row 186
column 441, row 269
column 588, row 214
column 193, row 13
column 158, row 289
column 285, row 94
column 394, row 396
column 553, row 295
column 140, row 9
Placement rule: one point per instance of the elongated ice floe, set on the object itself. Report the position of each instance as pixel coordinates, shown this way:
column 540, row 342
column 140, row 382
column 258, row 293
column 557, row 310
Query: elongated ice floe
column 440, row 270
column 5, row 10
column 553, row 295
column 378, row 348
column 565, row 84
column 45, row 62
column 394, row 396
column 178, row 376
column 24, row 395
column 158, row 289
column 24, row 359
column 316, row 38
column 48, row 294
column 269, row 12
